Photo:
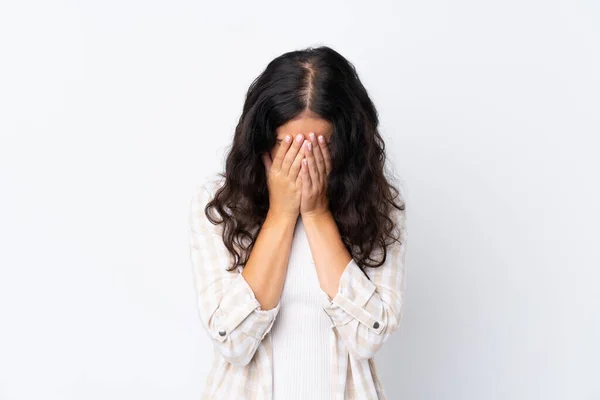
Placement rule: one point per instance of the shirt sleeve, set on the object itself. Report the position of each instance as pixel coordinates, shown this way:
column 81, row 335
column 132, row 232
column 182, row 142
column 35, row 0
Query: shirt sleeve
column 227, row 306
column 366, row 311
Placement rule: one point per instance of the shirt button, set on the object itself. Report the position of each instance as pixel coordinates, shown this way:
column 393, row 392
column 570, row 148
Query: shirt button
column 376, row 325
column 222, row 332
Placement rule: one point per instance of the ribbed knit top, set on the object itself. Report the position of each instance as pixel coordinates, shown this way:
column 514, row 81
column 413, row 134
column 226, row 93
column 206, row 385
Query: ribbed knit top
column 300, row 334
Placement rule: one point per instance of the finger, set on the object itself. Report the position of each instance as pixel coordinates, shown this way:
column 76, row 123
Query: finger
column 266, row 157
column 288, row 160
column 312, row 165
column 324, row 146
column 281, row 152
column 318, row 154
column 306, row 183
column 297, row 164
column 299, row 178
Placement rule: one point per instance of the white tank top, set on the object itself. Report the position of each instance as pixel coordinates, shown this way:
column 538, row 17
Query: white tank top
column 300, row 333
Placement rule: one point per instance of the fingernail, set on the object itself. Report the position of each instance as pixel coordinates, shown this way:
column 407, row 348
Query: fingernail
column 309, row 146
column 299, row 138
column 321, row 139
column 312, row 136
column 288, row 138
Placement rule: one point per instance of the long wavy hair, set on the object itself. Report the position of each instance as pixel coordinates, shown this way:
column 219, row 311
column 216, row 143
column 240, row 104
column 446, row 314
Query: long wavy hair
column 362, row 200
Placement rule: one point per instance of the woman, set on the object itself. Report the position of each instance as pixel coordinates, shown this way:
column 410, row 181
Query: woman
column 299, row 248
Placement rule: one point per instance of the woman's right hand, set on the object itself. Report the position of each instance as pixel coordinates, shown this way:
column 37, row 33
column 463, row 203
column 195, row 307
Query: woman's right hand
column 283, row 178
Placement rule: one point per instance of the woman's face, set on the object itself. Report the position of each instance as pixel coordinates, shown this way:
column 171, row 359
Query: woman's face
column 304, row 124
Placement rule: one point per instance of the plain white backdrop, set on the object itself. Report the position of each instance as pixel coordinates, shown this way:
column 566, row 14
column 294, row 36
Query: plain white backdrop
column 111, row 112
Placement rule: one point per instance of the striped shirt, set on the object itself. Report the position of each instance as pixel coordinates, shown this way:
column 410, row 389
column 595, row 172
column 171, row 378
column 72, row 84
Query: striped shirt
column 363, row 313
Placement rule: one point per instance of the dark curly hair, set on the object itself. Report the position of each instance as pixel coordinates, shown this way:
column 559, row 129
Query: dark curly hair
column 361, row 199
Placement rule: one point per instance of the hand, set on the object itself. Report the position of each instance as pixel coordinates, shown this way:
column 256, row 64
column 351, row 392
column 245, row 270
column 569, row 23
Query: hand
column 283, row 177
column 314, row 174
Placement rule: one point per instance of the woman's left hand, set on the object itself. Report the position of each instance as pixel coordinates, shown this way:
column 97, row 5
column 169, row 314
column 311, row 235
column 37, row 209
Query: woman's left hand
column 315, row 168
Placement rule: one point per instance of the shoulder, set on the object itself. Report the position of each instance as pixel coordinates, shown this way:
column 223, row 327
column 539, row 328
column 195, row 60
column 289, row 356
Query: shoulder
column 202, row 193
column 400, row 219
column 205, row 189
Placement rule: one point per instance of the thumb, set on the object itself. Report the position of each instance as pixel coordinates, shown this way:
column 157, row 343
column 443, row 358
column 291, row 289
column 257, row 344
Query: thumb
column 267, row 162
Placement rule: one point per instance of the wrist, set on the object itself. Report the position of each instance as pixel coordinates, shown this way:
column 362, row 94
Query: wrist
column 275, row 216
column 316, row 216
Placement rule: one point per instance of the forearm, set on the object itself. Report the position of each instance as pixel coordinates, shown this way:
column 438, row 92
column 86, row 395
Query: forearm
column 266, row 268
column 328, row 250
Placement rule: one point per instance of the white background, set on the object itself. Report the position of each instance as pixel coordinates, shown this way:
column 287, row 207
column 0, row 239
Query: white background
column 111, row 112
